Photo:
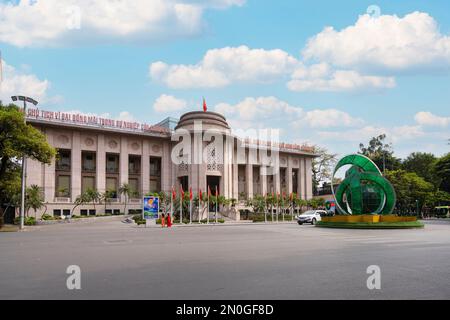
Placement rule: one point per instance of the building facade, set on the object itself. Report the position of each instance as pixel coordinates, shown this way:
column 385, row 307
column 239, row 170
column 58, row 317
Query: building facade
column 198, row 151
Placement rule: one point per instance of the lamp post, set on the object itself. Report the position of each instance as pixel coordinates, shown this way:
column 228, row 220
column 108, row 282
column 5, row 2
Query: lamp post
column 24, row 163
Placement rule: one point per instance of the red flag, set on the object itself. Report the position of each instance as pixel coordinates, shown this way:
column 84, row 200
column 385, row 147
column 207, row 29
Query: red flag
column 205, row 108
column 200, row 194
column 174, row 194
column 181, row 192
column 190, row 193
column 291, row 196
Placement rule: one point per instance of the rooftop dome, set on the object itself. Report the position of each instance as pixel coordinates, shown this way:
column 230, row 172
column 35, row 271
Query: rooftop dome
column 207, row 118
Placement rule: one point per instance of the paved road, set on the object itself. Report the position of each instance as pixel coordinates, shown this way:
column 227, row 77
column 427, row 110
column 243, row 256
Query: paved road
column 283, row 261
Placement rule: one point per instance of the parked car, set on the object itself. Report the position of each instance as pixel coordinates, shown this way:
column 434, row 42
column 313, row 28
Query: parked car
column 311, row 216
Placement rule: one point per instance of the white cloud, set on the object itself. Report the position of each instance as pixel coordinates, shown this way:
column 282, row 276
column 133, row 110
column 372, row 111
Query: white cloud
column 18, row 82
column 220, row 67
column 273, row 112
column 387, row 42
column 426, row 118
column 321, row 118
column 321, row 77
column 168, row 103
column 60, row 22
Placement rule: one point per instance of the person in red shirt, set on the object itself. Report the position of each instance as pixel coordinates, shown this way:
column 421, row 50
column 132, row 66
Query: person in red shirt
column 169, row 220
column 163, row 220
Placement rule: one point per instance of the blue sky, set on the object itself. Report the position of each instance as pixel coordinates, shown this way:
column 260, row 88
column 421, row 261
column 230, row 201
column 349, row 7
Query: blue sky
column 261, row 63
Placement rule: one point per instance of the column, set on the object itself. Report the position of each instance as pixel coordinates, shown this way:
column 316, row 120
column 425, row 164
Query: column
column 289, row 175
column 166, row 168
column 235, row 181
column 145, row 167
column 263, row 180
column 49, row 173
column 249, row 179
column 123, row 172
column 301, row 178
column 101, row 164
column 308, row 178
column 76, row 165
column 277, row 181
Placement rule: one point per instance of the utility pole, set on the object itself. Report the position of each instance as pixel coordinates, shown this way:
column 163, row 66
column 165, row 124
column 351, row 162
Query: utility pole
column 24, row 160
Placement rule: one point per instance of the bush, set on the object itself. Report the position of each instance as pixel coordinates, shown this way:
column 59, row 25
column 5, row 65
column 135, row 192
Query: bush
column 47, row 217
column 30, row 221
column 212, row 220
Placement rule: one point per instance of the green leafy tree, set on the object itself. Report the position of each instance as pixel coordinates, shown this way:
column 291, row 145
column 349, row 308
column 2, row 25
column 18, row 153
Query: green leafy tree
column 126, row 190
column 381, row 153
column 409, row 187
column 322, row 166
column 18, row 139
column 34, row 199
column 106, row 197
column 442, row 169
column 424, row 165
column 93, row 196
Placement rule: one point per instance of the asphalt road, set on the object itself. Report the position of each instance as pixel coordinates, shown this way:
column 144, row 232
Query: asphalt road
column 284, row 261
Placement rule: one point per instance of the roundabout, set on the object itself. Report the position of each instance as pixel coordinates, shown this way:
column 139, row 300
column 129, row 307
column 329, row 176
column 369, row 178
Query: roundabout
column 365, row 199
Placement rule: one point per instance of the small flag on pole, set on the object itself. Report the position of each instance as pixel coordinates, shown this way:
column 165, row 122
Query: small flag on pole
column 174, row 194
column 205, row 107
column 200, row 194
column 190, row 193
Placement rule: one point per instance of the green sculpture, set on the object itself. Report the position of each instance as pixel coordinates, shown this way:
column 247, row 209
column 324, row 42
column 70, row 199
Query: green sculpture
column 364, row 190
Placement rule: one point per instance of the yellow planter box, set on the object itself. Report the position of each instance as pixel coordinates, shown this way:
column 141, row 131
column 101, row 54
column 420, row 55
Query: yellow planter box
column 394, row 218
column 369, row 218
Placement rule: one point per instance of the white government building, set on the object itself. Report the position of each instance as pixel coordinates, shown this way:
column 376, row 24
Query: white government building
column 104, row 154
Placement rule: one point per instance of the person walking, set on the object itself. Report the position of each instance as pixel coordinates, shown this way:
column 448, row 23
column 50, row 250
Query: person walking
column 169, row 220
column 163, row 220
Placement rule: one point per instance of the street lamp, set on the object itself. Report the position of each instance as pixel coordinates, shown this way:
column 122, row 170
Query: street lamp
column 24, row 163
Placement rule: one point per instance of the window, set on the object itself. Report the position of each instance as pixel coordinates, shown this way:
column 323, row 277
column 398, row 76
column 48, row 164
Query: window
column 88, row 162
column 87, row 183
column 83, row 212
column 57, row 212
column 92, row 212
column 111, row 185
column 66, row 212
column 155, row 167
column 155, row 174
column 63, row 160
column 112, row 163
column 134, row 165
column 134, row 185
column 62, row 186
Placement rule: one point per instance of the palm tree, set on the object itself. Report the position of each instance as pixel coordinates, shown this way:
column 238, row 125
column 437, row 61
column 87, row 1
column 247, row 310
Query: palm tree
column 106, row 197
column 127, row 191
column 79, row 201
column 93, row 196
column 34, row 199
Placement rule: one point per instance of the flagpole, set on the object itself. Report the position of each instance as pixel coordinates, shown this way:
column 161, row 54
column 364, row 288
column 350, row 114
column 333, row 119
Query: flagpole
column 171, row 204
column 282, row 206
column 181, row 208
column 278, row 208
column 216, row 204
column 190, row 212
column 265, row 210
column 207, row 209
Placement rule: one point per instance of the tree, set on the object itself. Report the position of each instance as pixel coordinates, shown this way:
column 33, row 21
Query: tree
column 92, row 195
column 409, row 188
column 80, row 200
column 106, row 197
column 34, row 199
column 380, row 153
column 322, row 166
column 423, row 164
column 126, row 190
column 18, row 139
column 442, row 168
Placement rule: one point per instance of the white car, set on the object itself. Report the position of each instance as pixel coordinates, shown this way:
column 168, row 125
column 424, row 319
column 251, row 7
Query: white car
column 311, row 216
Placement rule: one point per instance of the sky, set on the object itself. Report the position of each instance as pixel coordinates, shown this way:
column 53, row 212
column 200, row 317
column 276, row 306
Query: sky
column 327, row 73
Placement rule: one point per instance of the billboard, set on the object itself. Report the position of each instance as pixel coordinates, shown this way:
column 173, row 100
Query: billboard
column 151, row 207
